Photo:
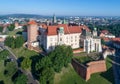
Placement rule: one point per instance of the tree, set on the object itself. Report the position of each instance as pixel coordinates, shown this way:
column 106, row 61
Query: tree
column 4, row 54
column 1, row 28
column 43, row 63
column 25, row 27
column 19, row 41
column 44, row 70
column 61, row 56
column 47, row 76
column 21, row 79
column 14, row 42
column 102, row 42
column 68, row 55
column 11, row 27
column 55, row 60
column 10, row 42
column 26, row 63
column 10, row 69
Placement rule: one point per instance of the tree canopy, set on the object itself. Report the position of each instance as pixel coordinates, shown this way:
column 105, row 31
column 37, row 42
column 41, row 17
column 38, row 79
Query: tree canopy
column 11, row 27
column 4, row 54
column 60, row 57
column 14, row 42
column 53, row 62
column 1, row 28
column 26, row 63
column 112, row 28
column 10, row 42
column 21, row 79
column 19, row 41
column 10, row 69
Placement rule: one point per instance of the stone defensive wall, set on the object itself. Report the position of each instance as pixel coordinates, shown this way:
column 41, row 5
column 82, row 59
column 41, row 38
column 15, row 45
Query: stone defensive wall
column 85, row 71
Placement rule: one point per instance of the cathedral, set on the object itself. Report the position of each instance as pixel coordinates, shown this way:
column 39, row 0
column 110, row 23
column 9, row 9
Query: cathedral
column 90, row 42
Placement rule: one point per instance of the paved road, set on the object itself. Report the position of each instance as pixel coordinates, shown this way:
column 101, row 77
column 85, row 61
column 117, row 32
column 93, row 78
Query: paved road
column 31, row 80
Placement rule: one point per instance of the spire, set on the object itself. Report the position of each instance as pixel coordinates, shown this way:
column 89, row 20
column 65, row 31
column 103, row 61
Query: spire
column 54, row 18
column 95, row 29
column 64, row 21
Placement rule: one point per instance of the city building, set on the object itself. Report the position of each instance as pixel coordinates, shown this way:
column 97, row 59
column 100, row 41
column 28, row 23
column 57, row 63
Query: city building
column 54, row 19
column 107, row 34
column 17, row 26
column 116, row 42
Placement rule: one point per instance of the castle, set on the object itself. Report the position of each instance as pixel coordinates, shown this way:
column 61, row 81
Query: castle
column 50, row 36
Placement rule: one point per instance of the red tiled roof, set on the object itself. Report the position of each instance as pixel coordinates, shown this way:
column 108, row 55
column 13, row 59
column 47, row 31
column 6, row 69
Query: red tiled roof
column 105, row 31
column 116, row 40
column 106, row 39
column 52, row 30
column 32, row 22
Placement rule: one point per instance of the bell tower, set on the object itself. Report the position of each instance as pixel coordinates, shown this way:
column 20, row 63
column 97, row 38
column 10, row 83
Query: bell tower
column 95, row 32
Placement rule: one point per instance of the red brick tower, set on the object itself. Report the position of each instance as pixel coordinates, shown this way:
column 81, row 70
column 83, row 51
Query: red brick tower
column 32, row 32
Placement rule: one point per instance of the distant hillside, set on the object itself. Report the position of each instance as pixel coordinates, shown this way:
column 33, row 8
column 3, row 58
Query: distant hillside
column 23, row 16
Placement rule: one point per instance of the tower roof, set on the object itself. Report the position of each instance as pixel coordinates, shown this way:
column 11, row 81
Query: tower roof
column 32, row 22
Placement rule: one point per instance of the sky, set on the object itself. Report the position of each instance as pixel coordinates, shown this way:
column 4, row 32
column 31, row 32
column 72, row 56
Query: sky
column 61, row 7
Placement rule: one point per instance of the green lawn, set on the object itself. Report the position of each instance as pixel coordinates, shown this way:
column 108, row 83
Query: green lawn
column 7, row 80
column 14, row 32
column 69, row 76
column 84, row 59
column 23, row 52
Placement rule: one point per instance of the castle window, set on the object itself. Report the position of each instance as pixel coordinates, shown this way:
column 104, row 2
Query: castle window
column 60, row 34
column 51, row 39
column 55, row 39
column 66, row 37
column 50, row 44
column 60, row 39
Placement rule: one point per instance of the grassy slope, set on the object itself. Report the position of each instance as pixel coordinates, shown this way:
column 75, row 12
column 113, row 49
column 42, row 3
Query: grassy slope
column 7, row 80
column 69, row 76
column 23, row 52
column 12, row 33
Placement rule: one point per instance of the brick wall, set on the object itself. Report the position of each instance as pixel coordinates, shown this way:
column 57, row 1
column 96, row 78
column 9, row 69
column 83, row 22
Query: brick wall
column 34, row 48
column 92, row 67
column 78, row 50
column 79, row 68
column 96, row 66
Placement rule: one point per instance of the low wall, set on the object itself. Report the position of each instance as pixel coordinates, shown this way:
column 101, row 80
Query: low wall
column 96, row 66
column 85, row 71
column 78, row 50
column 34, row 48
column 79, row 68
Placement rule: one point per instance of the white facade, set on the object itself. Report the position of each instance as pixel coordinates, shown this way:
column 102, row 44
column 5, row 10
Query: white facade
column 3, row 36
column 35, row 44
column 67, row 39
column 75, row 40
column 49, row 42
column 110, row 36
column 18, row 27
column 90, row 42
